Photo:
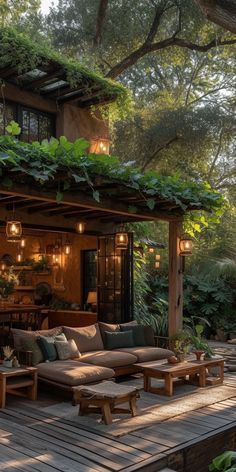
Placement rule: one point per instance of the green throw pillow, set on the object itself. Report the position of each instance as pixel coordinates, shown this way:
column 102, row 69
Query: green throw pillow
column 117, row 339
column 138, row 334
column 48, row 348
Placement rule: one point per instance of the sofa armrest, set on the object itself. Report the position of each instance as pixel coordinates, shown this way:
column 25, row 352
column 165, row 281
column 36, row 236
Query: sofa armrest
column 24, row 357
column 162, row 341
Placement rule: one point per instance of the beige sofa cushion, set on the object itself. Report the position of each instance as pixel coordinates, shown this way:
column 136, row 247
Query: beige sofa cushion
column 109, row 358
column 27, row 341
column 73, row 373
column 148, row 353
column 87, row 338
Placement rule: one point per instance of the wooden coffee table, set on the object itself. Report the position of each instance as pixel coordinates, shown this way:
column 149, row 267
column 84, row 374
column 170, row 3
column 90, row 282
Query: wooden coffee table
column 20, row 381
column 194, row 370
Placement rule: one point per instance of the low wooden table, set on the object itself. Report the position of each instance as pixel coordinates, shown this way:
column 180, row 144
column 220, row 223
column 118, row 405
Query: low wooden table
column 168, row 372
column 14, row 379
column 104, row 397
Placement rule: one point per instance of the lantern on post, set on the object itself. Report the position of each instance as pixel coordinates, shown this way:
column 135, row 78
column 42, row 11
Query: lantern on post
column 185, row 246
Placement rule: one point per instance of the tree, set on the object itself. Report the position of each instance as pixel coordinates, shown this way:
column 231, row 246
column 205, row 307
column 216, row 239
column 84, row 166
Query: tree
column 221, row 12
column 12, row 11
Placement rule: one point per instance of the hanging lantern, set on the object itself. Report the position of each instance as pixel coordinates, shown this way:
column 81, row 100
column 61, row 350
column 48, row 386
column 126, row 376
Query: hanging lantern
column 99, row 146
column 67, row 248
column 158, row 257
column 151, row 250
column 185, row 246
column 121, row 240
column 157, row 264
column 80, row 227
column 56, row 257
column 13, row 230
column 22, row 243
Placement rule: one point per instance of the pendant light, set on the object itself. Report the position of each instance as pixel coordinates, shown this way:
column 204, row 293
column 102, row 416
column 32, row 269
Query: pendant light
column 13, row 230
column 80, row 227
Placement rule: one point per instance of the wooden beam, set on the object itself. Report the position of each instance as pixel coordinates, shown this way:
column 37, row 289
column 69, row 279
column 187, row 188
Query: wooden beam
column 46, row 78
column 30, row 99
column 175, row 321
column 81, row 200
column 40, row 207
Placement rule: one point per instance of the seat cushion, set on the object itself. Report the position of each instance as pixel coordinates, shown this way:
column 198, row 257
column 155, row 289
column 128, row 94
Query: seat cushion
column 87, row 338
column 73, row 373
column 109, row 358
column 148, row 353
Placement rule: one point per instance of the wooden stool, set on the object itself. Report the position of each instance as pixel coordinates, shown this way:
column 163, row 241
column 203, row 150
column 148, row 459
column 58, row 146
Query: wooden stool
column 104, row 397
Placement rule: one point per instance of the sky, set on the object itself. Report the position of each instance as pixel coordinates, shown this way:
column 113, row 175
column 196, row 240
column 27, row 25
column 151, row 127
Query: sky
column 45, row 5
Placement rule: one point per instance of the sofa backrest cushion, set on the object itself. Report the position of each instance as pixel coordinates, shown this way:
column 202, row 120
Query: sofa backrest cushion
column 149, row 335
column 48, row 348
column 87, row 339
column 118, row 339
column 27, row 341
column 67, row 349
column 138, row 333
column 107, row 327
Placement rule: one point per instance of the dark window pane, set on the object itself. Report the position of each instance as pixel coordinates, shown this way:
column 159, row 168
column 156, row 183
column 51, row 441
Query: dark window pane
column 7, row 114
column 36, row 126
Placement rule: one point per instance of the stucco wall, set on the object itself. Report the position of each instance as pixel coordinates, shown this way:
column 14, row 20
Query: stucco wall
column 74, row 122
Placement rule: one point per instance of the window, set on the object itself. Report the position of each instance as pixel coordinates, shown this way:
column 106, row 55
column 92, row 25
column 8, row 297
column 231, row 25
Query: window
column 89, row 261
column 35, row 125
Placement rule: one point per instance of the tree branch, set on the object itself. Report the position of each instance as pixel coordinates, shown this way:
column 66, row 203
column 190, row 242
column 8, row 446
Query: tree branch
column 102, row 9
column 216, row 155
column 220, row 12
column 165, row 43
column 157, row 150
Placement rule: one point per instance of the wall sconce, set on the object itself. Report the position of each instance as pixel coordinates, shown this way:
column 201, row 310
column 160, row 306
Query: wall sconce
column 22, row 243
column 19, row 256
column 158, row 257
column 67, row 248
column 151, row 250
column 13, row 230
column 99, row 146
column 121, row 240
column 56, row 257
column 80, row 227
column 157, row 264
column 2, row 266
column 185, row 246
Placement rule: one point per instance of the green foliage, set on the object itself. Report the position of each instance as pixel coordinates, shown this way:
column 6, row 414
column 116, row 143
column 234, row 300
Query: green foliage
column 45, row 162
column 225, row 462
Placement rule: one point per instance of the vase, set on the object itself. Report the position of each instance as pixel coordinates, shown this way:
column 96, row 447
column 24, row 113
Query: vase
column 199, row 354
column 7, row 363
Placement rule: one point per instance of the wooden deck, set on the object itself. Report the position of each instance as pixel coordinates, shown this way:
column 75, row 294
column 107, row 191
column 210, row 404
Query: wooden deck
column 40, row 436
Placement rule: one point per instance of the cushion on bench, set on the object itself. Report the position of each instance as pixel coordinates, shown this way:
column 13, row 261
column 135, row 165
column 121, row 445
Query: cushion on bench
column 148, row 353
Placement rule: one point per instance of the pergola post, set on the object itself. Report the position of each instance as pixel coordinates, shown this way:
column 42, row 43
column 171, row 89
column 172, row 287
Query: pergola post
column 175, row 278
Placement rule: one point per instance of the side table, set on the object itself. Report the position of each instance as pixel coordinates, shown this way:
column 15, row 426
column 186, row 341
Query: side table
column 20, row 381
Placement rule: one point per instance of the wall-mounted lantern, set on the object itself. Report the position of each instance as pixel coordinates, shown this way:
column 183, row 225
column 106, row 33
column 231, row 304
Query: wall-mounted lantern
column 80, row 227
column 157, row 264
column 99, row 145
column 19, row 256
column 67, row 247
column 13, row 230
column 121, row 240
column 185, row 246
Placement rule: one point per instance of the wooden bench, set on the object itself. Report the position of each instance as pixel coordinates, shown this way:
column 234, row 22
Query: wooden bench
column 104, row 398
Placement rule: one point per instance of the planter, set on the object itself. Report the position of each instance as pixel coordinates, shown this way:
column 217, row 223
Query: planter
column 7, row 363
column 199, row 354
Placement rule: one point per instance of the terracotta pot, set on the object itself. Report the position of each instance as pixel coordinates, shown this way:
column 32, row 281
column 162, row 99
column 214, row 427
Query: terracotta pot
column 199, row 354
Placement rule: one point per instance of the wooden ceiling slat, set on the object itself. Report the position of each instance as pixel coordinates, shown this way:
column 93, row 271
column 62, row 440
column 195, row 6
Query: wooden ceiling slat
column 46, row 78
column 41, row 206
column 68, row 211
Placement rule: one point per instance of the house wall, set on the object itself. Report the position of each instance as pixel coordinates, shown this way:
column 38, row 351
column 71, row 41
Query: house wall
column 65, row 282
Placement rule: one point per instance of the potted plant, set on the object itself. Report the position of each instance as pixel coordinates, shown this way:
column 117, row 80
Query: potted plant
column 180, row 344
column 199, row 343
column 42, row 266
column 8, row 282
column 8, row 356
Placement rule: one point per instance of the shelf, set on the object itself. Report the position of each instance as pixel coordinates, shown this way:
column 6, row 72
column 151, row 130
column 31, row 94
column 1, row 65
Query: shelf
column 25, row 287
column 22, row 268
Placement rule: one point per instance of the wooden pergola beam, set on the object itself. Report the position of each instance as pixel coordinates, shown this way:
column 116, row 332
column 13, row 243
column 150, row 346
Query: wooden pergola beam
column 84, row 201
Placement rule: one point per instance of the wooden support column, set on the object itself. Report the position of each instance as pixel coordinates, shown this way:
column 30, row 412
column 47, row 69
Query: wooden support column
column 175, row 278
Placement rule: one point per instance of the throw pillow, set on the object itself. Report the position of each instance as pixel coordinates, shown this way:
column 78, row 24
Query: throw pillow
column 48, row 348
column 138, row 334
column 30, row 344
column 60, row 337
column 87, row 338
column 118, row 339
column 107, row 327
column 67, row 349
column 149, row 335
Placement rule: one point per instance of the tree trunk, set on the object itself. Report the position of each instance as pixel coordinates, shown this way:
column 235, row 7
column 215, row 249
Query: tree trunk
column 221, row 12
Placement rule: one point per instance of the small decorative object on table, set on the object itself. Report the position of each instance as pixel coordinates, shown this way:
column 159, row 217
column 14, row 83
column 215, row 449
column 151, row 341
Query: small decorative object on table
column 8, row 353
column 180, row 344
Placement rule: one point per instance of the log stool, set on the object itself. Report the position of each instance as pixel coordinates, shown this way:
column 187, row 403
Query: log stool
column 104, row 398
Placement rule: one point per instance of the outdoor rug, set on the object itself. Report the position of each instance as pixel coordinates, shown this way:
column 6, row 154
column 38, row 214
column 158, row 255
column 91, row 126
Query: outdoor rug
column 152, row 408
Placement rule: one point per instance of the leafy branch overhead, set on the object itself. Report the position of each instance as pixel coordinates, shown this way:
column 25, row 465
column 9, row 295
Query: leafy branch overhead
column 60, row 165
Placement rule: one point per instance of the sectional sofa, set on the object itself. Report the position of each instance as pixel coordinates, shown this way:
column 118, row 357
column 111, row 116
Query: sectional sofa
column 89, row 354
